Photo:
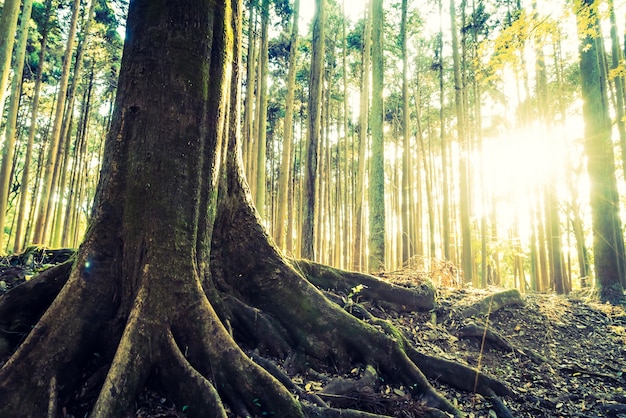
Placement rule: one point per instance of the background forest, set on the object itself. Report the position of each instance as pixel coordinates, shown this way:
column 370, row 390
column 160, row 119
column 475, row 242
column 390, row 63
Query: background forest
column 456, row 138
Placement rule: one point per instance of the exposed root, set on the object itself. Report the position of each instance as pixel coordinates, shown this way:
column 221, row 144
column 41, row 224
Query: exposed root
column 491, row 336
column 287, row 382
column 493, row 303
column 194, row 391
column 266, row 304
column 214, row 375
column 388, row 295
column 53, row 399
column 319, row 412
column 57, row 346
column 131, row 364
column 21, row 308
column 241, row 383
column 254, row 328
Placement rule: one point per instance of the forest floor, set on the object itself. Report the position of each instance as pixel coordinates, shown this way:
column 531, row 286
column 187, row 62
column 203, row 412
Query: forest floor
column 564, row 356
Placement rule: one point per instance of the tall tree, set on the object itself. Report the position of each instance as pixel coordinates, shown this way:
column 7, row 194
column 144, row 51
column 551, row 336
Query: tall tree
column 172, row 211
column 32, row 130
column 467, row 258
column 45, row 213
column 376, row 190
column 8, row 25
column 407, row 184
column 358, row 259
column 600, row 157
column 313, row 132
column 56, row 232
column 618, row 82
column 10, row 132
column 285, row 166
column 248, row 110
column 445, row 215
column 261, row 134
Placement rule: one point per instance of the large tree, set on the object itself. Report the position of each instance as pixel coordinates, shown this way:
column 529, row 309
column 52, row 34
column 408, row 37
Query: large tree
column 177, row 280
column 600, row 157
column 376, row 195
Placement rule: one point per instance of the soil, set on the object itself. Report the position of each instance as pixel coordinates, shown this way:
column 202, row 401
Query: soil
column 563, row 356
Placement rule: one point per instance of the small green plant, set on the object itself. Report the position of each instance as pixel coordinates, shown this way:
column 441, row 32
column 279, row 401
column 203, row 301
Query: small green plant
column 355, row 291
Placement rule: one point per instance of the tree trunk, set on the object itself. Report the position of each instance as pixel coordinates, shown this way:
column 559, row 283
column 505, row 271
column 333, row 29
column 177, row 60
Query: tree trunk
column 10, row 133
column 8, row 24
column 45, row 213
column 464, row 185
column 314, row 132
column 445, row 215
column 359, row 262
column 32, row 130
column 601, row 160
column 248, row 110
column 376, row 190
column 285, row 166
column 261, row 135
column 407, row 183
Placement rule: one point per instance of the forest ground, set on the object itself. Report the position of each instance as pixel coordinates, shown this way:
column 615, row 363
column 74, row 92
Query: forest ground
column 564, row 356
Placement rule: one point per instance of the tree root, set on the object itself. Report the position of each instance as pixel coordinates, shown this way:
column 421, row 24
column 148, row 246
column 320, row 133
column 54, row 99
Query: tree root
column 491, row 336
column 267, row 306
column 388, row 295
column 212, row 374
column 36, row 294
column 196, row 391
column 493, row 303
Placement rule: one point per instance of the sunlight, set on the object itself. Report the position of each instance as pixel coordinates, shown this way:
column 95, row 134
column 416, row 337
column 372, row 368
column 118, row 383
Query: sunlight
column 517, row 165
column 521, row 159
column 354, row 10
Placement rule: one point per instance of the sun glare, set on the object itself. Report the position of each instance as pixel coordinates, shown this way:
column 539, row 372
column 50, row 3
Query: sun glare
column 517, row 166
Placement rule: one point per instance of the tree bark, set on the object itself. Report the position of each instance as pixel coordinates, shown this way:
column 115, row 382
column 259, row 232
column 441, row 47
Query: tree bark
column 359, row 262
column 376, row 190
column 464, row 185
column 8, row 24
column 261, row 135
column 34, row 112
column 10, row 133
column 313, row 134
column 407, row 183
column 45, row 213
column 601, row 160
column 285, row 166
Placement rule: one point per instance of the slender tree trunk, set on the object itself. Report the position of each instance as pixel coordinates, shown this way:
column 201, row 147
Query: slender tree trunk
column 32, row 129
column 8, row 25
column 314, row 131
column 376, row 189
column 466, row 233
column 285, row 166
column 359, row 261
column 71, row 212
column 445, row 215
column 248, row 111
column 66, row 130
column 346, row 206
column 45, row 213
column 407, row 201
column 10, row 133
column 261, row 136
